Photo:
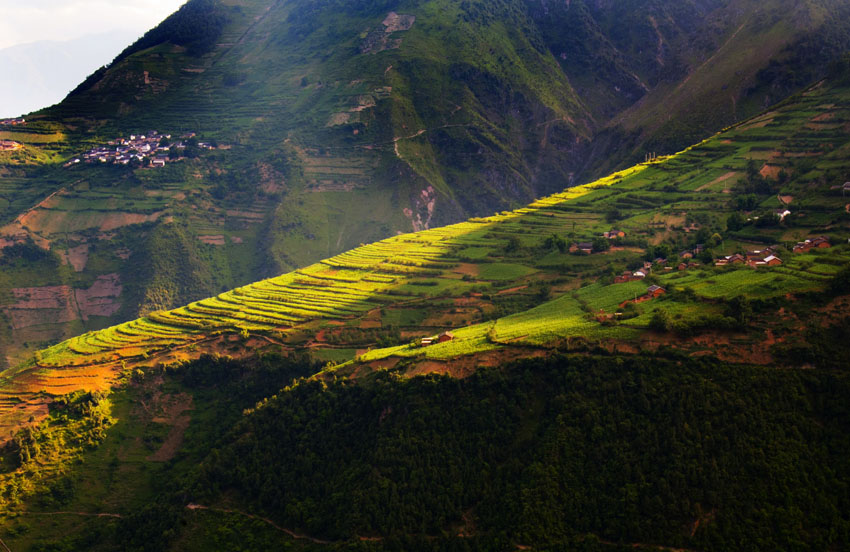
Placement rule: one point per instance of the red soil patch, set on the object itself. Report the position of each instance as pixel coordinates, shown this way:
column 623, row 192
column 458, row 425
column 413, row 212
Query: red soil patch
column 77, row 257
column 770, row 171
column 467, row 301
column 511, row 290
column 468, row 269
column 465, row 366
column 761, row 122
column 823, row 117
column 59, row 304
column 113, row 221
column 102, row 298
column 216, row 239
column 786, row 199
column 172, row 411
column 42, row 305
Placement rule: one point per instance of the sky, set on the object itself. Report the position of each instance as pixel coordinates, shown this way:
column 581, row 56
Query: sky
column 23, row 21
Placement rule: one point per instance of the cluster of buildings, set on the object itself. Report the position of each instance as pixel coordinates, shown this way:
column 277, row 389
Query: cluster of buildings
column 821, row 242
column 583, row 247
column 754, row 259
column 440, row 338
column 151, row 148
column 587, row 247
column 13, row 122
column 613, row 234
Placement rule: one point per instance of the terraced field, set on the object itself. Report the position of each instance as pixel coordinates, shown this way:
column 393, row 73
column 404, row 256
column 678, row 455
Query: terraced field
column 493, row 280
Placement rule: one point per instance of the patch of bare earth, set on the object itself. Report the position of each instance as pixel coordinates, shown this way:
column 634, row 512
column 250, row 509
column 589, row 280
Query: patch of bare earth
column 215, row 239
column 60, row 304
column 467, row 269
column 770, row 171
column 113, row 221
column 171, row 410
column 512, row 290
column 718, row 180
column 77, row 257
column 465, row 366
column 760, row 122
column 102, row 298
column 42, row 305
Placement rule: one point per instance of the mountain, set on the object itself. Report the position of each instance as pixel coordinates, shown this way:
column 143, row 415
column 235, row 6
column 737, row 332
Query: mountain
column 40, row 74
column 574, row 403
column 659, row 75
column 344, row 123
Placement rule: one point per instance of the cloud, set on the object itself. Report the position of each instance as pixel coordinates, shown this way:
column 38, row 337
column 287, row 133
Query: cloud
column 35, row 20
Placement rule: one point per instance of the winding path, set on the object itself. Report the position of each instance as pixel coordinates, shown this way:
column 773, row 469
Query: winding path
column 289, row 532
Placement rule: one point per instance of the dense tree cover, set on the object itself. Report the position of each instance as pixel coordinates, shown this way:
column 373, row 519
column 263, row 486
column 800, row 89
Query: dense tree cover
column 676, row 452
column 196, row 25
column 26, row 251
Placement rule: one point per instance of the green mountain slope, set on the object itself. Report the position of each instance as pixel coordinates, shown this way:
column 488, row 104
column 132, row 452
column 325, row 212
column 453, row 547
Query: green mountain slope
column 343, row 123
column 338, row 123
column 718, row 197
column 709, row 414
column 662, row 75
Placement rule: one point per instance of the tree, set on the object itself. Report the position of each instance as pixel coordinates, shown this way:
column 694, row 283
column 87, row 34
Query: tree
column 513, row 245
column 601, row 244
column 715, row 240
column 613, row 214
column 661, row 321
column 555, row 241
column 740, row 308
column 735, row 222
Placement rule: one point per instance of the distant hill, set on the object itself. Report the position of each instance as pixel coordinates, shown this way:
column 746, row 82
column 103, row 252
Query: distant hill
column 40, row 74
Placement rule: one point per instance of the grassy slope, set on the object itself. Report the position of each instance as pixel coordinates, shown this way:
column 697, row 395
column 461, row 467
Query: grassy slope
column 330, row 147
column 491, row 268
column 327, row 147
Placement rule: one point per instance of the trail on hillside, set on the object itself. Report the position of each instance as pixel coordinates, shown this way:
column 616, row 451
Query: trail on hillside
column 70, row 513
column 289, row 532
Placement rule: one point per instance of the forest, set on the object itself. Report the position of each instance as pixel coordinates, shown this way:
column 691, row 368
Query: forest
column 574, row 452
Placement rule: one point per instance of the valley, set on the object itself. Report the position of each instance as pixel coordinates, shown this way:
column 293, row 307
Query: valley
column 434, row 275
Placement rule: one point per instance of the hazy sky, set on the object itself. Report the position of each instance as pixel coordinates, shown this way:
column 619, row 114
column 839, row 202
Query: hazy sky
column 23, row 21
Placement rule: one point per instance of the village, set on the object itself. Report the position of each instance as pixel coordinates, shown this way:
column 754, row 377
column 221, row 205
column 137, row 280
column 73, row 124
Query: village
column 16, row 121
column 147, row 150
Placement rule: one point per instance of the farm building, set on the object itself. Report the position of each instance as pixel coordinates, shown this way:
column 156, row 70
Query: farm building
column 655, row 291
column 782, row 213
column 820, row 242
column 441, row 338
column 445, row 336
column 584, row 247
